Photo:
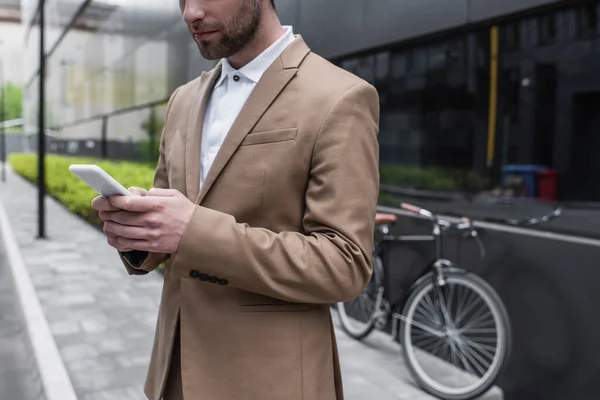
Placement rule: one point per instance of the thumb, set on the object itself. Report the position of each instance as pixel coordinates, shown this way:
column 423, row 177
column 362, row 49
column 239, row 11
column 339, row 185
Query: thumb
column 162, row 192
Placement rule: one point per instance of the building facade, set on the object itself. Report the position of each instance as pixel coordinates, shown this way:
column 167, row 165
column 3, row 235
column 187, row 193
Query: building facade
column 464, row 85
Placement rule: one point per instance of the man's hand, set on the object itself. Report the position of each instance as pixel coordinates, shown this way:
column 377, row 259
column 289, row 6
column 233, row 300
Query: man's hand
column 103, row 205
column 154, row 222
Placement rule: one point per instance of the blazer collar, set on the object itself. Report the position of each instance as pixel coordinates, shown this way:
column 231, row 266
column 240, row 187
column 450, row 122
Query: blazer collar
column 273, row 81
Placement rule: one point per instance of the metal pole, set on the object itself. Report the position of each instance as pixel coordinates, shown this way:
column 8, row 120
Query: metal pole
column 41, row 131
column 103, row 144
column 3, row 120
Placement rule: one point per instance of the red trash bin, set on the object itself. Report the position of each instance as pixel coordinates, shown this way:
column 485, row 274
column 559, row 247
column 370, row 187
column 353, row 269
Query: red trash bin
column 547, row 184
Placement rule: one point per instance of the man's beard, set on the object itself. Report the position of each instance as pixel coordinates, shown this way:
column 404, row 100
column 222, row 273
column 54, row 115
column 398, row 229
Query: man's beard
column 235, row 33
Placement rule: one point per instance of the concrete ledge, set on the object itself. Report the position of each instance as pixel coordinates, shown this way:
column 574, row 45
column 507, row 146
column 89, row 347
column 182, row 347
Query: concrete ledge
column 56, row 380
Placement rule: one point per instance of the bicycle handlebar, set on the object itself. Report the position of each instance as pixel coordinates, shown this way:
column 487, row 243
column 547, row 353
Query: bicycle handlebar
column 466, row 223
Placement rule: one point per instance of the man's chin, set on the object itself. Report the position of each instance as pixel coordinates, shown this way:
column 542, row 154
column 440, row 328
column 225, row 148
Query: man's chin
column 209, row 53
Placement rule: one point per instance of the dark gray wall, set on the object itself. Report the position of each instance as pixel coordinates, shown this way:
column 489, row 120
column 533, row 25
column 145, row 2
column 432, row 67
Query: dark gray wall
column 338, row 27
column 549, row 288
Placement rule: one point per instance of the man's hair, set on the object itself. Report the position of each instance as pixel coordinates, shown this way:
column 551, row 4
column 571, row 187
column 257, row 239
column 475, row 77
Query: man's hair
column 273, row 4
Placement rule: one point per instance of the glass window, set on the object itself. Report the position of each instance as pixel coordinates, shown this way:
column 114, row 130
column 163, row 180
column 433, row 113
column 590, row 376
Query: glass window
column 382, row 66
column 511, row 36
column 587, row 20
column 399, row 65
column 546, row 29
column 419, row 60
column 438, row 56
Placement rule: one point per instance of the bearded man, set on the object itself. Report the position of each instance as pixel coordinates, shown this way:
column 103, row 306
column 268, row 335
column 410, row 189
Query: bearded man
column 262, row 210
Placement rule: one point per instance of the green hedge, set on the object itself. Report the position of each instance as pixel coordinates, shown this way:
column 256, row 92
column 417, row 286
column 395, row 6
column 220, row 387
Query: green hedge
column 77, row 196
column 70, row 190
column 432, row 179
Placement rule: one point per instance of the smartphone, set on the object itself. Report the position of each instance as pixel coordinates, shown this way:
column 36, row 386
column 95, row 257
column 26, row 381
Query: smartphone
column 99, row 180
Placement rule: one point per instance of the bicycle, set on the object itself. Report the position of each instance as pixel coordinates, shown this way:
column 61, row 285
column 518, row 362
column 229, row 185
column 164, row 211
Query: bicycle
column 479, row 340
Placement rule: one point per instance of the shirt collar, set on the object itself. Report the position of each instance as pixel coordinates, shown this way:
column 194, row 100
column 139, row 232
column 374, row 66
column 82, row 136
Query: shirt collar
column 255, row 69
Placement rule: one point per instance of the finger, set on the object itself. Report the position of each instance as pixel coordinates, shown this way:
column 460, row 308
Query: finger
column 162, row 192
column 136, row 203
column 136, row 244
column 125, row 218
column 113, row 241
column 101, row 203
column 129, row 232
column 136, row 191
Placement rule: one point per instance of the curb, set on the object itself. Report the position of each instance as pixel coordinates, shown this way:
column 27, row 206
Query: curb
column 56, row 380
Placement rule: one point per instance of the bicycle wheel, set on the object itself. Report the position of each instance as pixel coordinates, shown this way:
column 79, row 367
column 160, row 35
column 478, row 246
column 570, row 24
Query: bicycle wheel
column 358, row 317
column 456, row 338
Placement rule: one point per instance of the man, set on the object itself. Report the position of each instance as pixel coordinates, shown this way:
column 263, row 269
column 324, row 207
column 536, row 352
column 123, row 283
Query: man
column 263, row 209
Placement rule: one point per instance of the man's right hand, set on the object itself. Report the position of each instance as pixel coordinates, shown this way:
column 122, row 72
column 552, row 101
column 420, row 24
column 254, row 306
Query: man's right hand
column 105, row 208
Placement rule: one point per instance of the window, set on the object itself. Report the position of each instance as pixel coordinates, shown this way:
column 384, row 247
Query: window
column 399, row 65
column 382, row 66
column 419, row 60
column 546, row 29
column 587, row 21
column 511, row 36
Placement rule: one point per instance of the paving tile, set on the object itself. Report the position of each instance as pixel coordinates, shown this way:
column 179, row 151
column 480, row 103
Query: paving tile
column 103, row 322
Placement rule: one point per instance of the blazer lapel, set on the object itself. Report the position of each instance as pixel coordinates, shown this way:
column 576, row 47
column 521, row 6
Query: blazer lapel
column 194, row 131
column 275, row 78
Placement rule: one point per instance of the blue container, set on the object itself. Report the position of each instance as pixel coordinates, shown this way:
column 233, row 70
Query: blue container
column 526, row 173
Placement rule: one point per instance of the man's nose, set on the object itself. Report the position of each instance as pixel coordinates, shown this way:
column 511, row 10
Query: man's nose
column 193, row 12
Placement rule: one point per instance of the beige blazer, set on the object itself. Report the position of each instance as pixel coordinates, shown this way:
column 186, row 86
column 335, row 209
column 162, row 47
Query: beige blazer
column 284, row 226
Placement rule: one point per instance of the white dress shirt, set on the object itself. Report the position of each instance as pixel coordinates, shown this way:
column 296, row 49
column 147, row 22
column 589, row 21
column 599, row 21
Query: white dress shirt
column 229, row 95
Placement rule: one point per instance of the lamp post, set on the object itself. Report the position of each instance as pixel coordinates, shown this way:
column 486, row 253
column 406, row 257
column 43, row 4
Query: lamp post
column 42, row 131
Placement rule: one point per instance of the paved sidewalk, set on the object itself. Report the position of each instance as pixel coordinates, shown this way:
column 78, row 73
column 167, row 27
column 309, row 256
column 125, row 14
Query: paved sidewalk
column 19, row 377
column 103, row 321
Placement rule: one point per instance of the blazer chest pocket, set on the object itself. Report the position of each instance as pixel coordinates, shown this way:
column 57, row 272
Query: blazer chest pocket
column 259, row 303
column 279, row 135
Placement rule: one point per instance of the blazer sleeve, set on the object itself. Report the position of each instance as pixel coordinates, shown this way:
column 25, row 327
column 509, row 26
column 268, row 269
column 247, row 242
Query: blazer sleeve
column 331, row 260
column 142, row 262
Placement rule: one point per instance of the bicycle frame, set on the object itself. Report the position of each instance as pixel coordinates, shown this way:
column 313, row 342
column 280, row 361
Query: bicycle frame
column 437, row 269
column 437, row 237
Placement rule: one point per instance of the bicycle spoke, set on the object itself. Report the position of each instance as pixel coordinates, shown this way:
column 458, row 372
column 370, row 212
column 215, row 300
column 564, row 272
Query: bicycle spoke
column 471, row 362
column 422, row 312
column 482, row 348
column 427, row 341
column 444, row 310
column 466, row 310
column 487, row 323
column 426, row 328
column 428, row 304
column 478, row 330
column 454, row 360
column 439, row 347
column 449, row 302
column 479, row 358
column 465, row 362
column 484, row 339
column 462, row 300
column 468, row 353
column 476, row 317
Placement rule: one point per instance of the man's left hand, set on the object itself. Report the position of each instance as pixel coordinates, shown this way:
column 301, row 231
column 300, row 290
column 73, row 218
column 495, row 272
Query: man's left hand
column 155, row 222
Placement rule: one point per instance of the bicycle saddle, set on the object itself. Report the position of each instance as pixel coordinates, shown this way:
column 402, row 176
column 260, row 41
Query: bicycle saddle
column 384, row 218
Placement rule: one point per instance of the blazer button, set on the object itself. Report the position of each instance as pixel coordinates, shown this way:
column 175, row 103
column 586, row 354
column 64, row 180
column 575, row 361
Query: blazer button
column 223, row 282
column 204, row 277
column 194, row 274
column 214, row 279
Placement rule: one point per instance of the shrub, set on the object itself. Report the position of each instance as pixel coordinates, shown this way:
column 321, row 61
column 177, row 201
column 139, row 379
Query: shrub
column 434, row 179
column 68, row 189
